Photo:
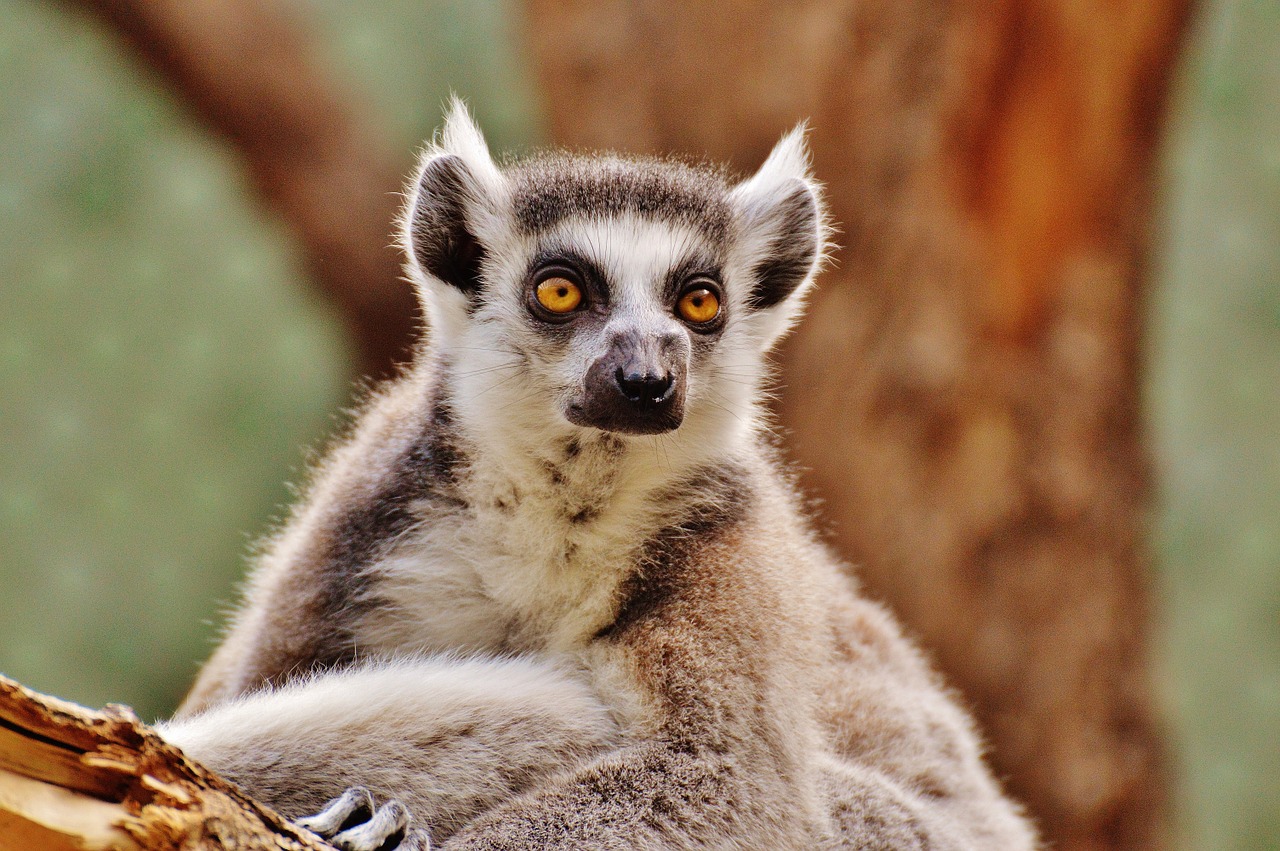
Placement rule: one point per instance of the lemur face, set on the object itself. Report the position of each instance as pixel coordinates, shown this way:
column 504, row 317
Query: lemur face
column 631, row 296
column 619, row 312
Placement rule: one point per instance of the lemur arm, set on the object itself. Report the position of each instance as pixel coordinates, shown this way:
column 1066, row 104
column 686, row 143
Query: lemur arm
column 521, row 754
column 730, row 763
column 448, row 738
column 721, row 755
column 305, row 591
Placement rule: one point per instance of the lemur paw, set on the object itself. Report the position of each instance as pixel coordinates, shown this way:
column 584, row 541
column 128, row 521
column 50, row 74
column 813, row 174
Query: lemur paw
column 351, row 822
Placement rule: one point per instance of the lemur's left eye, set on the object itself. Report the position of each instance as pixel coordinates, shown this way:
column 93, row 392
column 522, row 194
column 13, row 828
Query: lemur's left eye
column 698, row 305
column 559, row 295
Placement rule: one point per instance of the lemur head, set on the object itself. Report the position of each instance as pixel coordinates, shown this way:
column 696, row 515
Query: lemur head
column 625, row 295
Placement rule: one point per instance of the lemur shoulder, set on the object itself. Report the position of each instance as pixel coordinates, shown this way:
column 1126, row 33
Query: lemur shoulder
column 555, row 590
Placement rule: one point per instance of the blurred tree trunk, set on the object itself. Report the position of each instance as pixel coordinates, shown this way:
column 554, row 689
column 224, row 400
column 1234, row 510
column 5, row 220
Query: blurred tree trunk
column 965, row 393
column 246, row 70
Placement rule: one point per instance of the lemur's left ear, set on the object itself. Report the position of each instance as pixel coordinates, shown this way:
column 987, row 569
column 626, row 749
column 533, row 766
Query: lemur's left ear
column 781, row 223
column 454, row 203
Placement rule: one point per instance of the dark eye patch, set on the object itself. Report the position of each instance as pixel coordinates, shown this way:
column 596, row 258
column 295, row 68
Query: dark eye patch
column 587, row 272
column 693, row 266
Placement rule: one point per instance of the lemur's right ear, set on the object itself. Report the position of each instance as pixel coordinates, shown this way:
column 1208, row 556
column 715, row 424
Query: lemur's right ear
column 454, row 203
column 783, row 233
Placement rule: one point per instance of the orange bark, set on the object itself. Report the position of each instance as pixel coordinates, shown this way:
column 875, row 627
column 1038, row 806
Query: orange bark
column 965, row 393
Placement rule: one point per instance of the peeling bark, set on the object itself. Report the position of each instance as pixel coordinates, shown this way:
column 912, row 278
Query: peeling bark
column 72, row 778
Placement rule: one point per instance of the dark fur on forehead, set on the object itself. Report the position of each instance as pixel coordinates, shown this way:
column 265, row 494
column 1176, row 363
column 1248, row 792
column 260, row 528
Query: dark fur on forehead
column 551, row 187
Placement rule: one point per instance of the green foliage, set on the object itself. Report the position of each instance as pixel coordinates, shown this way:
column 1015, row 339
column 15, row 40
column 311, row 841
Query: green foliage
column 1214, row 394
column 163, row 365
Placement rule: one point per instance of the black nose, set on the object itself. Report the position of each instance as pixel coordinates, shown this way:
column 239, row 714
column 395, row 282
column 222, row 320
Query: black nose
column 651, row 389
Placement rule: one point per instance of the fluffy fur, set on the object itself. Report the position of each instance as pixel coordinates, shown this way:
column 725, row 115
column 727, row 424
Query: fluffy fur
column 537, row 634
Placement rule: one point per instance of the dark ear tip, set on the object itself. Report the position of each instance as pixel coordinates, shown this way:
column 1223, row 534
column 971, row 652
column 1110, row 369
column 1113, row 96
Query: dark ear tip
column 794, row 222
column 445, row 175
column 440, row 235
column 802, row 201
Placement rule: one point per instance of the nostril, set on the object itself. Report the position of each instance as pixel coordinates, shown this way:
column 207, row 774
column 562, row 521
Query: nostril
column 643, row 388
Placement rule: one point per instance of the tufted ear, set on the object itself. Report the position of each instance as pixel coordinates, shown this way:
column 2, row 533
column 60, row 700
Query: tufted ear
column 453, row 203
column 781, row 225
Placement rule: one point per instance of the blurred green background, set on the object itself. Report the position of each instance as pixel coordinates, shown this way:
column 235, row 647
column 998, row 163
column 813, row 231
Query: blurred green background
column 163, row 367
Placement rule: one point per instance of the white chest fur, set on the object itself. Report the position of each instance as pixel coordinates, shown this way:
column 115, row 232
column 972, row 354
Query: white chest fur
column 532, row 563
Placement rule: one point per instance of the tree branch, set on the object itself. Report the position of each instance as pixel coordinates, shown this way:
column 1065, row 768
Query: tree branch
column 72, row 778
column 244, row 69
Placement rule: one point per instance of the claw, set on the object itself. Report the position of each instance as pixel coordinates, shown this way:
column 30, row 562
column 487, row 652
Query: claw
column 415, row 840
column 367, row 828
column 338, row 812
column 391, row 818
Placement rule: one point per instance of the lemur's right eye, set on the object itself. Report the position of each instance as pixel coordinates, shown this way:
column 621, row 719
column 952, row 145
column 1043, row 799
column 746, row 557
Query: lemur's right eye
column 698, row 305
column 558, row 295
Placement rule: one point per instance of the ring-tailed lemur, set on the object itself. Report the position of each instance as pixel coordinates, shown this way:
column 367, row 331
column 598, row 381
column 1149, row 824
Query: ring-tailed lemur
column 555, row 590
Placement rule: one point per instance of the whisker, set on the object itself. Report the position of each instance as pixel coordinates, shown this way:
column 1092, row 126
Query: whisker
column 484, row 370
column 498, row 384
column 503, row 351
column 521, row 400
column 664, row 446
column 681, row 452
column 663, row 461
column 717, row 400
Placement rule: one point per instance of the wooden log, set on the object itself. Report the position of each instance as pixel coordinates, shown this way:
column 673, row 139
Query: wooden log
column 74, row 779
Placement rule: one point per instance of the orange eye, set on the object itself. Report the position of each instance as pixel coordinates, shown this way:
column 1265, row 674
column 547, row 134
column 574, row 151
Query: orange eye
column 559, row 295
column 699, row 306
